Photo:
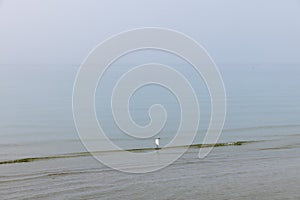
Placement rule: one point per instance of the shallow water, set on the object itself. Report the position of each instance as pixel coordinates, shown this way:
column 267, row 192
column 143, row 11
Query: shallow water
column 266, row 169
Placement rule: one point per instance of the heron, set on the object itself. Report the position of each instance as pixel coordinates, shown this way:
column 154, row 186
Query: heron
column 157, row 143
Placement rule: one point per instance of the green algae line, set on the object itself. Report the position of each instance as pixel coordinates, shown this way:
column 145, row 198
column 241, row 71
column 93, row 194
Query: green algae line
column 81, row 154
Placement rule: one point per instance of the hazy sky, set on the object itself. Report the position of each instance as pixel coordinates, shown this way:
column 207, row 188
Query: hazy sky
column 233, row 31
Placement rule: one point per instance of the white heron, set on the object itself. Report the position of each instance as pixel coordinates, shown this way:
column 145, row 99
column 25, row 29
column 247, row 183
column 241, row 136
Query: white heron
column 157, row 142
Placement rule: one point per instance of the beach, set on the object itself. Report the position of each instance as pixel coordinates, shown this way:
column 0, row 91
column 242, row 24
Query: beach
column 263, row 169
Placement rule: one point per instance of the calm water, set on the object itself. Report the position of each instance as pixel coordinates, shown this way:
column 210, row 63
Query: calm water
column 36, row 121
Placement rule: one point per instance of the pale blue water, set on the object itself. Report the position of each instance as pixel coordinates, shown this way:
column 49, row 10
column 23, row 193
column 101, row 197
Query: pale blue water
column 36, row 121
column 36, row 100
column 36, row 103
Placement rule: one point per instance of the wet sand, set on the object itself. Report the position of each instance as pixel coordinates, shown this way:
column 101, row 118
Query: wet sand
column 267, row 169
